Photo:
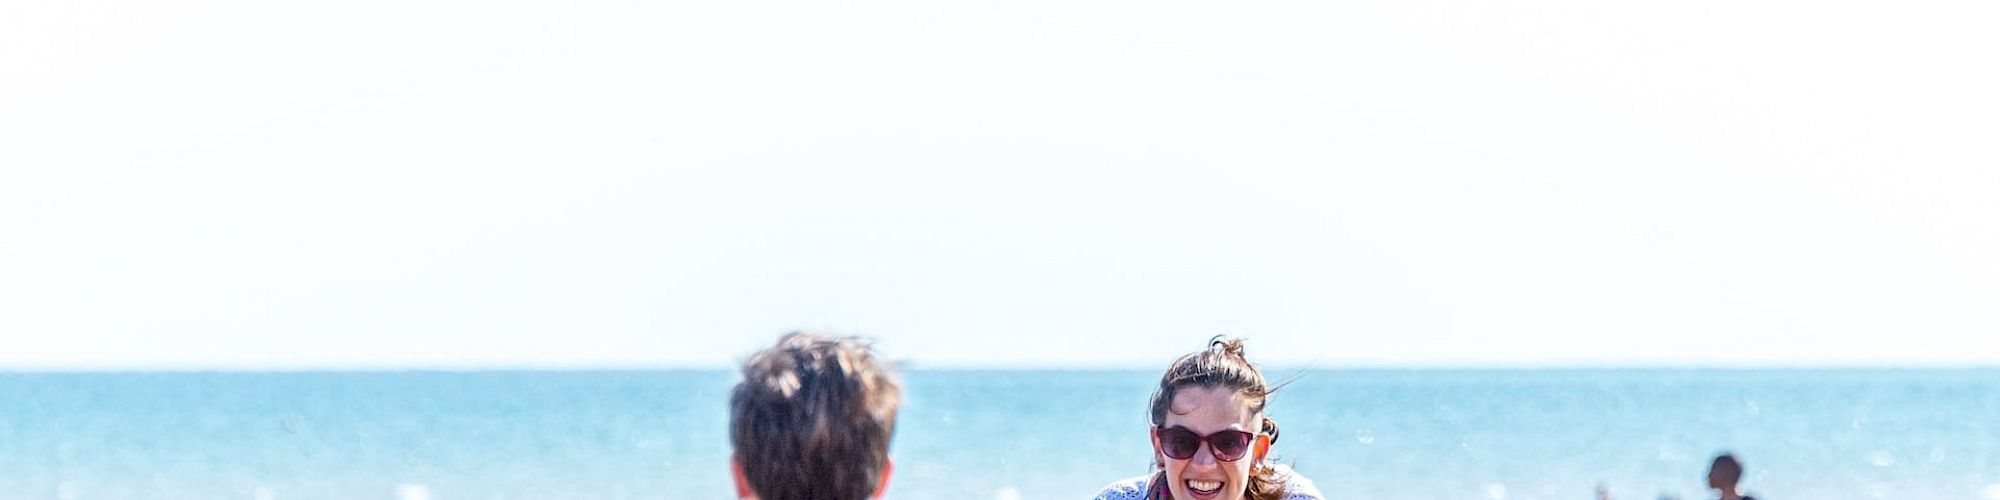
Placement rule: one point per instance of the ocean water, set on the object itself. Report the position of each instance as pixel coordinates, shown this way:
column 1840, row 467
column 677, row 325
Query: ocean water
column 1394, row 434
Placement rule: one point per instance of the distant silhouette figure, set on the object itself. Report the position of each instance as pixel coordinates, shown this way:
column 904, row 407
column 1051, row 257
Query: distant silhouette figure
column 1723, row 475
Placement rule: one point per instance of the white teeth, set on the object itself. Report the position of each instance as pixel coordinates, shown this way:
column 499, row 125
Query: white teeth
column 1204, row 486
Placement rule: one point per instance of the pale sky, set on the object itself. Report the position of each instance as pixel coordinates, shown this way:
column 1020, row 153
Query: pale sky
column 440, row 183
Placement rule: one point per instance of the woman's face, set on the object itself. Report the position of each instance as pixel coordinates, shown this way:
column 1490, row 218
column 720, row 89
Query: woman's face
column 1206, row 411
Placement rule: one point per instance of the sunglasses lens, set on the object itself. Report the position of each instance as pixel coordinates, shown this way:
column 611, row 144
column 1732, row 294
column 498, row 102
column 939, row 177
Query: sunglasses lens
column 1181, row 444
column 1178, row 443
column 1229, row 445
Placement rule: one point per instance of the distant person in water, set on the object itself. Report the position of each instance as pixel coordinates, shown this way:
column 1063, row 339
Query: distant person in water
column 1211, row 437
column 811, row 420
column 1723, row 474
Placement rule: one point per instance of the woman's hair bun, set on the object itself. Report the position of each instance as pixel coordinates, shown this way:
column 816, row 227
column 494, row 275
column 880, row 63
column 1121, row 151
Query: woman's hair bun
column 1232, row 347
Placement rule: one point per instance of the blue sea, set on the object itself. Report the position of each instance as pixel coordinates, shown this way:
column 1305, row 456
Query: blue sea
column 1376, row 434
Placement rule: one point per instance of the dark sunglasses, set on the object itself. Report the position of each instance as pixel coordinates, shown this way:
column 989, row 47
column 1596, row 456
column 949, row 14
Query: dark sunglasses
column 1179, row 443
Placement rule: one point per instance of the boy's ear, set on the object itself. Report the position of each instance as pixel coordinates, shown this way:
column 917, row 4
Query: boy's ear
column 882, row 487
column 743, row 491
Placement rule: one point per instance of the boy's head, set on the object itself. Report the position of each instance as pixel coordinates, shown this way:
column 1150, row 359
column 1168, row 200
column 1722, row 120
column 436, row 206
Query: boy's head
column 812, row 419
column 1725, row 472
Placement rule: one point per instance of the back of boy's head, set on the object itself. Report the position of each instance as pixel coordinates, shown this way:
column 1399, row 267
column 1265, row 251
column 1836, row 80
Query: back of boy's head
column 1725, row 471
column 812, row 418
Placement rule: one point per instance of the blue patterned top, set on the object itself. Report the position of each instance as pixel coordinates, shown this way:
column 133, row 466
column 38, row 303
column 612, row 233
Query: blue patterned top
column 1297, row 487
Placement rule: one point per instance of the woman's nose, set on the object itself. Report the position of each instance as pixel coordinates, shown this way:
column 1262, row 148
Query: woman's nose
column 1205, row 456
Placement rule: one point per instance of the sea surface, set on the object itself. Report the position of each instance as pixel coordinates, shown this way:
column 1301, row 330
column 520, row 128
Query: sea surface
column 1374, row 434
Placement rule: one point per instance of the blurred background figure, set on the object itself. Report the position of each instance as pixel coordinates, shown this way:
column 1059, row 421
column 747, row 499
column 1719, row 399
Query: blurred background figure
column 1723, row 475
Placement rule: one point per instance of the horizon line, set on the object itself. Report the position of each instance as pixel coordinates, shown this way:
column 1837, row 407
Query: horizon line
column 996, row 367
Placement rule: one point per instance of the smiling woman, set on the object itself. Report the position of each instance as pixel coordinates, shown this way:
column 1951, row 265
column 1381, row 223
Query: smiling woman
column 1211, row 437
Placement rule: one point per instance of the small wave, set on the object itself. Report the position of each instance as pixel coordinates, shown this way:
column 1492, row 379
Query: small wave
column 412, row 492
column 1007, row 493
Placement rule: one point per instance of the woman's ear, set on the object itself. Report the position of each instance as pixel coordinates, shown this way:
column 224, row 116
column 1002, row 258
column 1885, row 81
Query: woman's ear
column 1263, row 447
column 1153, row 434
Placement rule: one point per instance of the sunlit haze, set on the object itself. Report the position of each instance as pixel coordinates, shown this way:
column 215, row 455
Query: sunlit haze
column 454, row 184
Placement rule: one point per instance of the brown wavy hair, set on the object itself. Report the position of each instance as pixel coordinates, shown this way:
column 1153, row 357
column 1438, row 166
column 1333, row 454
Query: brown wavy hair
column 1221, row 365
column 812, row 418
